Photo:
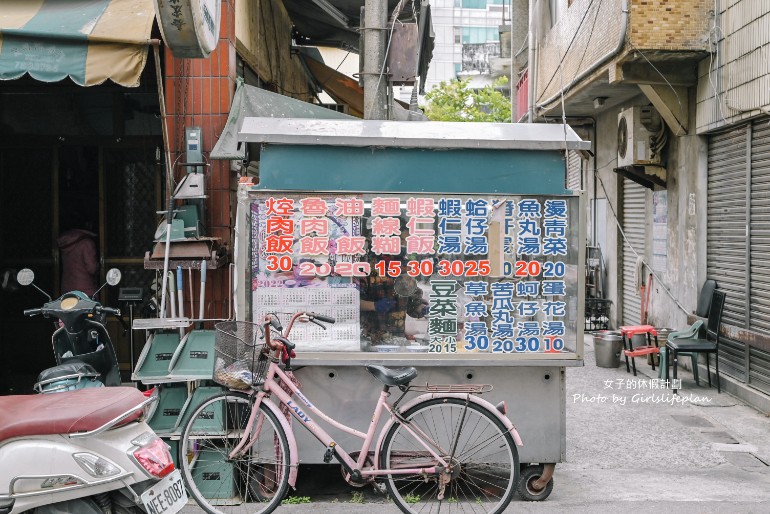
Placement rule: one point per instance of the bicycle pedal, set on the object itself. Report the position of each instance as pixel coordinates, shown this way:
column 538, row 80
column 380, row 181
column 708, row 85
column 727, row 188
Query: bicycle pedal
column 328, row 454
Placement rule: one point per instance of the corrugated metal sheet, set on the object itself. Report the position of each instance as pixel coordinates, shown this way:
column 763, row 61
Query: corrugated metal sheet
column 726, row 221
column 759, row 369
column 574, row 171
column 759, row 230
column 732, row 358
column 634, row 217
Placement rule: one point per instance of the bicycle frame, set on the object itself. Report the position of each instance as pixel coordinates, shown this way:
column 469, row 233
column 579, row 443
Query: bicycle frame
column 272, row 387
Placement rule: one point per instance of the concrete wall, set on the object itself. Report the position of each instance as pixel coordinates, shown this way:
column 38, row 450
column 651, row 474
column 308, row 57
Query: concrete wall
column 685, row 271
column 686, row 239
column 606, row 159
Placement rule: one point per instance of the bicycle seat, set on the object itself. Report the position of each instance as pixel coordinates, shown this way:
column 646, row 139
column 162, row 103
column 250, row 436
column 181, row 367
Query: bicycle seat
column 392, row 377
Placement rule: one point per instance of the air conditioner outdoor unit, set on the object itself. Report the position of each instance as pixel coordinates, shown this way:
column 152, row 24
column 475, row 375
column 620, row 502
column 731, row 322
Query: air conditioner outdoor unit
column 641, row 137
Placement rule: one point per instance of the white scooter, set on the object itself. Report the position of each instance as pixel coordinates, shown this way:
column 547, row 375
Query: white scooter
column 87, row 451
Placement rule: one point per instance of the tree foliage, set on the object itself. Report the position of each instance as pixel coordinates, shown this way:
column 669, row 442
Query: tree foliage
column 456, row 101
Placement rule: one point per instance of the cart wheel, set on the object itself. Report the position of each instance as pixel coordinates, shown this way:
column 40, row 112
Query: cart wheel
column 526, row 490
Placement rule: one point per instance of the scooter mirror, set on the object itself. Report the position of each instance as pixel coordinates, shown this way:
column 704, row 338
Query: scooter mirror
column 113, row 276
column 25, row 277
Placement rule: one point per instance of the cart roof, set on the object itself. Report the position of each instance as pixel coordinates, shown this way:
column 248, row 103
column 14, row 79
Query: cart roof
column 411, row 134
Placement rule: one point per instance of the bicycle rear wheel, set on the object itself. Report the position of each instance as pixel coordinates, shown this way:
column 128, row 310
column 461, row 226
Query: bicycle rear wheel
column 253, row 482
column 484, row 462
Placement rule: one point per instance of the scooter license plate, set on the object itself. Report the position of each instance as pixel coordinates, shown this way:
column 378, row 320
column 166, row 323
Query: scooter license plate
column 167, row 496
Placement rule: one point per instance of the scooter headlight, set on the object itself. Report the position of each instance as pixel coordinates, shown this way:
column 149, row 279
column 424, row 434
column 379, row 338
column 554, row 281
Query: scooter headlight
column 96, row 466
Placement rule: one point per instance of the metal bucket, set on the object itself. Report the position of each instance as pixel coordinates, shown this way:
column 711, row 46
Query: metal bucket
column 662, row 337
column 608, row 346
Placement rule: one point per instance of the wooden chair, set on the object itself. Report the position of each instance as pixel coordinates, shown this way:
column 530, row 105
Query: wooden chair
column 708, row 345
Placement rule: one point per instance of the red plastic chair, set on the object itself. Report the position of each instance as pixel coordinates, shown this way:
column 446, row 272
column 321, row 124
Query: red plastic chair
column 628, row 333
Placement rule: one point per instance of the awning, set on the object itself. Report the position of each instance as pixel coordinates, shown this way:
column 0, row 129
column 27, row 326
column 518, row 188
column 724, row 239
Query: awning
column 345, row 90
column 88, row 40
column 337, row 23
column 250, row 101
column 651, row 177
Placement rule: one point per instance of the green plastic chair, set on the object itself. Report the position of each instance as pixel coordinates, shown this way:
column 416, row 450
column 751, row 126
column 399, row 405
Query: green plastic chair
column 688, row 333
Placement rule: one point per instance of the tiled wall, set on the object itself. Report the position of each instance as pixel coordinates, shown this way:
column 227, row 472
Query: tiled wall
column 585, row 32
column 670, row 24
column 198, row 94
column 734, row 81
column 588, row 30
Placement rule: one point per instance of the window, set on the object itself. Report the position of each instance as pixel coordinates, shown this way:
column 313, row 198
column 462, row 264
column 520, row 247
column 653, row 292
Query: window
column 476, row 35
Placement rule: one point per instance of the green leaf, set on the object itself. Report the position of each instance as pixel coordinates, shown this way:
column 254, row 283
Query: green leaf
column 456, row 101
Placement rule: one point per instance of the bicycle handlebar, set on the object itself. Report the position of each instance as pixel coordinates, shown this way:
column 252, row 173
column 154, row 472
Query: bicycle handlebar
column 320, row 317
column 283, row 341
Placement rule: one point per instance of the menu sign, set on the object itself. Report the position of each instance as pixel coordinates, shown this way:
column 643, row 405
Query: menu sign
column 436, row 273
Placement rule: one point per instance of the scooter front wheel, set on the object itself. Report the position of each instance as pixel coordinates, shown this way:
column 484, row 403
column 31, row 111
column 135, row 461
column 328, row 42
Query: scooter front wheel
column 254, row 482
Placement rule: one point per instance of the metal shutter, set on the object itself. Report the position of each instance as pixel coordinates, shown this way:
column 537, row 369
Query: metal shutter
column 726, row 220
column 759, row 369
column 634, row 217
column 759, row 229
column 574, row 171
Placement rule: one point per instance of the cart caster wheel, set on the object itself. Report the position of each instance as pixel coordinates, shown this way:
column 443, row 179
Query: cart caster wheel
column 526, row 489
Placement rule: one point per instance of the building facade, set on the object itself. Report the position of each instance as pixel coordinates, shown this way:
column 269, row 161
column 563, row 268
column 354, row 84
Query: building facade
column 675, row 96
column 90, row 143
column 467, row 35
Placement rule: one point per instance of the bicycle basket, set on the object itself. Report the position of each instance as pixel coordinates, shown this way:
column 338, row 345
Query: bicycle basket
column 241, row 357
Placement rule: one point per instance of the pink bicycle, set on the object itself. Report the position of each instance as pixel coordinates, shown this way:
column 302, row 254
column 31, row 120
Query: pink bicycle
column 446, row 450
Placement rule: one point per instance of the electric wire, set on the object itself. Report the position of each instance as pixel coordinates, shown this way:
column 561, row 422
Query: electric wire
column 715, row 33
column 342, row 61
column 678, row 101
column 572, row 41
column 639, row 257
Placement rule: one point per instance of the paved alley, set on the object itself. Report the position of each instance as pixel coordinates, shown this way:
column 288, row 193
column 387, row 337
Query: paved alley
column 630, row 447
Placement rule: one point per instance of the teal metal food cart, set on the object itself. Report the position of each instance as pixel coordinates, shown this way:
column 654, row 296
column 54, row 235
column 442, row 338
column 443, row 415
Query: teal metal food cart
column 470, row 222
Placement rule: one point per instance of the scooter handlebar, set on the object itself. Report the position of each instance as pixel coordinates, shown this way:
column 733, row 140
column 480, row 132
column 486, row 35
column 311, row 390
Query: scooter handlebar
column 109, row 310
column 32, row 312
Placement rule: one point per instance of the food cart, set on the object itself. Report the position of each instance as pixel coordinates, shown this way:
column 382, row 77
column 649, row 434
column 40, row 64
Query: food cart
column 451, row 247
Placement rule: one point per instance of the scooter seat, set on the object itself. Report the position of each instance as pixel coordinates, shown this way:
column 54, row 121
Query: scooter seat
column 68, row 369
column 66, row 413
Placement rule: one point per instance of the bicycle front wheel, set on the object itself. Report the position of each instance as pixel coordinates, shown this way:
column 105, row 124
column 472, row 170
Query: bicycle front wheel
column 483, row 461
column 253, row 481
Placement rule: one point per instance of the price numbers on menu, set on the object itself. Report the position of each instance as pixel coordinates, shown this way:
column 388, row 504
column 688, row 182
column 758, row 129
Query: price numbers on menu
column 427, row 268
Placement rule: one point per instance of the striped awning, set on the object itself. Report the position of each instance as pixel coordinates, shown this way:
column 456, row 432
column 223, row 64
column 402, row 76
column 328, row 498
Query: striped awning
column 89, row 41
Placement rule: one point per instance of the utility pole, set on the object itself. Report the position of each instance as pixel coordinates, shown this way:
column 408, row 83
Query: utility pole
column 531, row 64
column 519, row 27
column 375, row 79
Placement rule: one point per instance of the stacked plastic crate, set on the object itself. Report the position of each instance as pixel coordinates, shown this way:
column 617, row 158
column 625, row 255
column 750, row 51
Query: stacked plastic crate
column 181, row 367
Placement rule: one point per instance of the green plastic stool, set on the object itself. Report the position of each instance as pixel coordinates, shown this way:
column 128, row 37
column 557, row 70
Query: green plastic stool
column 663, row 368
